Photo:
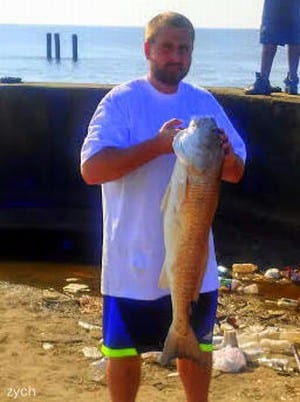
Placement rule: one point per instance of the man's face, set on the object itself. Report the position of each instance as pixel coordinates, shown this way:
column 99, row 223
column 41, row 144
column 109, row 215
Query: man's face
column 170, row 55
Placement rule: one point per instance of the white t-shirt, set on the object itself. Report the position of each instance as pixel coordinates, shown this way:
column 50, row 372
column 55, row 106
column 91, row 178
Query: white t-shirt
column 133, row 244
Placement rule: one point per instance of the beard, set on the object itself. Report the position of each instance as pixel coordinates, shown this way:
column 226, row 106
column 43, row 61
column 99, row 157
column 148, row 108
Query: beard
column 168, row 76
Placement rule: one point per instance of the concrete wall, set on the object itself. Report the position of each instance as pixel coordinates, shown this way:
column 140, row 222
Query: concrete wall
column 270, row 127
column 42, row 129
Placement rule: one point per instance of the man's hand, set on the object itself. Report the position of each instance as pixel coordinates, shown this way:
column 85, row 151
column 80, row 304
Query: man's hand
column 166, row 135
column 233, row 167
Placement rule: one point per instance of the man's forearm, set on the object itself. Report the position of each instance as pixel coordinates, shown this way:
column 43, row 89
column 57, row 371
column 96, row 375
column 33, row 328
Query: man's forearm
column 113, row 163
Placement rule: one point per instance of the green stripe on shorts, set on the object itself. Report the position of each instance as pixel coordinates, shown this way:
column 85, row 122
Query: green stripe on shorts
column 108, row 352
column 206, row 347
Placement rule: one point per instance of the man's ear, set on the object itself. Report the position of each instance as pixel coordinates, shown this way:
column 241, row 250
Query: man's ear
column 147, row 49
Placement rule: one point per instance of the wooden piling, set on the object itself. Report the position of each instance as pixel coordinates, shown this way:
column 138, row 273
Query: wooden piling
column 57, row 46
column 75, row 47
column 49, row 46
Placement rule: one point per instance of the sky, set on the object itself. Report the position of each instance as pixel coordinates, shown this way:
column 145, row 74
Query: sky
column 202, row 13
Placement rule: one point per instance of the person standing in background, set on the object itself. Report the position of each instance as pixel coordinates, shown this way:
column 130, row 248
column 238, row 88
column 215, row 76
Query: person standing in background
column 280, row 26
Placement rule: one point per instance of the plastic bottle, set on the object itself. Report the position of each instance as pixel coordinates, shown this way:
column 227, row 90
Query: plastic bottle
column 285, row 302
column 276, row 346
column 268, row 333
column 276, row 364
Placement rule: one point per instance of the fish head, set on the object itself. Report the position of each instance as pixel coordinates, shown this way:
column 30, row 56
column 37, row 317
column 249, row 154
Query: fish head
column 199, row 145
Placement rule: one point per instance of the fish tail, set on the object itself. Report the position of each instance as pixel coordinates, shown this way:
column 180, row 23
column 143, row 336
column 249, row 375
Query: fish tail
column 182, row 347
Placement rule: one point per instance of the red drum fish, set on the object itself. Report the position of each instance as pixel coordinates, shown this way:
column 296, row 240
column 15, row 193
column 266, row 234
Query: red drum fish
column 188, row 208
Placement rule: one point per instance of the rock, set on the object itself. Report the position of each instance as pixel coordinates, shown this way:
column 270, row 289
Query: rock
column 251, row 289
column 235, row 284
column 53, row 299
column 244, row 268
column 272, row 273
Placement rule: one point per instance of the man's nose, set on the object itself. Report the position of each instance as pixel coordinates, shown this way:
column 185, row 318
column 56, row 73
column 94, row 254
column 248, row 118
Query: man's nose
column 176, row 54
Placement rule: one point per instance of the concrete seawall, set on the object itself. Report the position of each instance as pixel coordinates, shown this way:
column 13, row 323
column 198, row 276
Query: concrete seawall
column 270, row 127
column 42, row 129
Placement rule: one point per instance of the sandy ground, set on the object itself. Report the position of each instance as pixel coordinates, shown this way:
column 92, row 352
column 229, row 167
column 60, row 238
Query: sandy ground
column 42, row 359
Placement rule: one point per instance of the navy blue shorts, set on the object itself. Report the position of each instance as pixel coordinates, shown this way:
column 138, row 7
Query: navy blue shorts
column 131, row 327
column 280, row 22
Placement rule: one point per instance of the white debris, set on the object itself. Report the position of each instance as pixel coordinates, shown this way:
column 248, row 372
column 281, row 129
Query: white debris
column 47, row 346
column 76, row 287
column 88, row 326
column 91, row 352
column 152, row 356
column 176, row 374
column 229, row 359
column 100, row 364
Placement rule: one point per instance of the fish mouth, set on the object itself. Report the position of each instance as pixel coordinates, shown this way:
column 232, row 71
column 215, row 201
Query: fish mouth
column 192, row 145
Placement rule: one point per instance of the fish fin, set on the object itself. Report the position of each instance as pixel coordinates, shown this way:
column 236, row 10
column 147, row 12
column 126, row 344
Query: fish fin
column 165, row 198
column 182, row 177
column 183, row 347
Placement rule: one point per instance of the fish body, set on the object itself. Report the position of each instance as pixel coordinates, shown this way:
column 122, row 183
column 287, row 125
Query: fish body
column 188, row 207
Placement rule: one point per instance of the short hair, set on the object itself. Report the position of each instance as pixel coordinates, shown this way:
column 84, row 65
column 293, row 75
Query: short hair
column 167, row 19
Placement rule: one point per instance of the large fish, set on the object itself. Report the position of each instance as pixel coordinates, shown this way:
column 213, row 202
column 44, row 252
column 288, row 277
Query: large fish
column 188, row 207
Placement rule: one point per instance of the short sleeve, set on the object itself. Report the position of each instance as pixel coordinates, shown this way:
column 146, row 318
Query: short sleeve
column 108, row 126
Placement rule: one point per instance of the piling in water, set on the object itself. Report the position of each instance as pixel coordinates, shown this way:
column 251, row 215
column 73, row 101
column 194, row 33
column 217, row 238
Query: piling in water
column 49, row 46
column 57, row 46
column 75, row 47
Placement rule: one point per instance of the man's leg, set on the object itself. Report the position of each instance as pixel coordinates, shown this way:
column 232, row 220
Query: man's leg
column 267, row 57
column 195, row 378
column 123, row 378
column 262, row 86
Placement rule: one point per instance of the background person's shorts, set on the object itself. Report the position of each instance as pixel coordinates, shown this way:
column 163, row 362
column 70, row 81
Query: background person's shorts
column 280, row 22
column 131, row 327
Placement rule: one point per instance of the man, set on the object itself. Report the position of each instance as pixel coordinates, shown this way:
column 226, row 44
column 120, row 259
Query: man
column 280, row 26
column 128, row 150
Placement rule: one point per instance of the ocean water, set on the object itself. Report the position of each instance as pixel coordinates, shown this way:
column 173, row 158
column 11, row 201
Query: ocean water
column 110, row 55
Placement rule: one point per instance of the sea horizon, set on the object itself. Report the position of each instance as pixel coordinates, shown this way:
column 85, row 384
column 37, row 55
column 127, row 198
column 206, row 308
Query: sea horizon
column 222, row 57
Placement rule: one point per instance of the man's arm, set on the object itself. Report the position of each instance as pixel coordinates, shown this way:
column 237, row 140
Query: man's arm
column 233, row 167
column 113, row 163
